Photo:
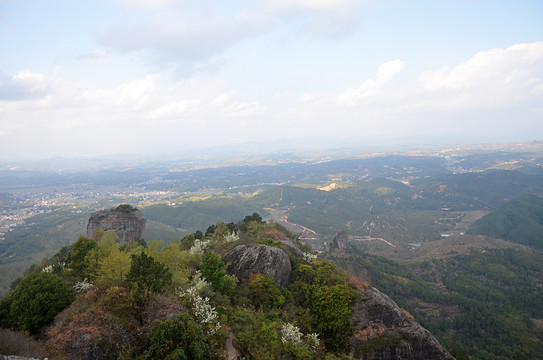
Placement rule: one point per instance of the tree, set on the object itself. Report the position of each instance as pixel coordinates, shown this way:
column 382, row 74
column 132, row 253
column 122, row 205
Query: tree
column 187, row 241
column 37, row 300
column 331, row 306
column 210, row 230
column 78, row 253
column 112, row 269
column 179, row 263
column 254, row 217
column 106, row 242
column 221, row 230
column 148, row 273
column 213, row 270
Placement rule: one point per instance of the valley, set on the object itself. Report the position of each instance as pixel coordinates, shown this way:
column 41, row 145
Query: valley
column 408, row 218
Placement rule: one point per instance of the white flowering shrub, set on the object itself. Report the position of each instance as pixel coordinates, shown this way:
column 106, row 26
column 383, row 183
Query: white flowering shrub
column 290, row 334
column 231, row 237
column 200, row 246
column 203, row 312
column 82, row 285
column 313, row 340
column 310, row 258
column 47, row 269
column 199, row 283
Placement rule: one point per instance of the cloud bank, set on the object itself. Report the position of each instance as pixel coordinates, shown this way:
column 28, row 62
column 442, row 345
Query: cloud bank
column 154, row 114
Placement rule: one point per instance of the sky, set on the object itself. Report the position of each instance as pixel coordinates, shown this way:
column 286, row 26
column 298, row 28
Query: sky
column 87, row 78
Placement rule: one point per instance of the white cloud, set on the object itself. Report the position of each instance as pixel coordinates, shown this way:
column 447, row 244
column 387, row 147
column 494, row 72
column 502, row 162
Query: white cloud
column 24, row 85
column 185, row 36
column 496, row 77
column 485, row 84
column 370, row 87
column 144, row 113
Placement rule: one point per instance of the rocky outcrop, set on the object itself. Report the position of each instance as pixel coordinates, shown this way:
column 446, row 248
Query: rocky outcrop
column 382, row 331
column 292, row 248
column 245, row 260
column 127, row 222
column 340, row 241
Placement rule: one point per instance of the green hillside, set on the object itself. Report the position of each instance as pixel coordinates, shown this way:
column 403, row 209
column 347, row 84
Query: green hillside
column 520, row 221
column 486, row 304
column 156, row 301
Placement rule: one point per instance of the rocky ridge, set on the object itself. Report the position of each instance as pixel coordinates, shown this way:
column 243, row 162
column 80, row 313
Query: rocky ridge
column 381, row 330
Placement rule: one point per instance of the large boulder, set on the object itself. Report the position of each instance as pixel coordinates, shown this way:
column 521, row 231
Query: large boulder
column 245, row 260
column 382, row 331
column 127, row 222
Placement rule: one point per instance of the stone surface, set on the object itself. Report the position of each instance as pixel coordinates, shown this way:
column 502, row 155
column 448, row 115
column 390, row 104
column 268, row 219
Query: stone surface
column 382, row 331
column 127, row 222
column 341, row 241
column 259, row 259
column 290, row 246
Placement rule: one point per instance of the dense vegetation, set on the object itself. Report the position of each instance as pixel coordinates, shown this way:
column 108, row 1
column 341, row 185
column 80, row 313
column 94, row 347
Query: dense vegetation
column 520, row 221
column 177, row 301
column 486, row 304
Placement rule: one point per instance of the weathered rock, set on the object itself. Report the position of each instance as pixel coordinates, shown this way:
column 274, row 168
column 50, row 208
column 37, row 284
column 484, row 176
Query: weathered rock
column 245, row 260
column 341, row 240
column 289, row 245
column 127, row 222
column 382, row 331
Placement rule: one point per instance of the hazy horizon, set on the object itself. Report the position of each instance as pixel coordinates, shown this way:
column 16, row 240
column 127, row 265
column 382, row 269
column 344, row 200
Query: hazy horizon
column 156, row 77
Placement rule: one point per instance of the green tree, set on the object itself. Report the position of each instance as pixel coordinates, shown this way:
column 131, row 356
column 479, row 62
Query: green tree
column 213, row 270
column 331, row 306
column 254, row 217
column 113, row 268
column 148, row 273
column 179, row 338
column 106, row 243
column 179, row 262
column 37, row 300
column 221, row 230
column 187, row 241
column 210, row 230
column 79, row 251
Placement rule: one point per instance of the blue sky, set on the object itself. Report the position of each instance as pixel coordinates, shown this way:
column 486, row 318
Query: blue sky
column 126, row 76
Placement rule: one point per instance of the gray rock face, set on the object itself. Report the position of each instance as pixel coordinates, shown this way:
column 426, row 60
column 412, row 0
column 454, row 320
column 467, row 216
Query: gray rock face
column 259, row 259
column 341, row 241
column 127, row 222
column 383, row 332
column 289, row 245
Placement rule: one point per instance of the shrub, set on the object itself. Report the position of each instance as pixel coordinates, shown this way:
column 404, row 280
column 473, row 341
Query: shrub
column 37, row 299
column 264, row 291
column 179, row 338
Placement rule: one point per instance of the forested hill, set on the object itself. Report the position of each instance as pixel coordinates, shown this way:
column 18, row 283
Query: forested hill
column 520, row 221
column 250, row 284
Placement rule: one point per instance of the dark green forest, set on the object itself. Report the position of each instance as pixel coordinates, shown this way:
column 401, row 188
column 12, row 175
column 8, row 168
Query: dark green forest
column 520, row 221
column 484, row 305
